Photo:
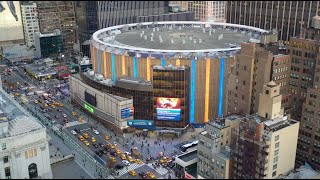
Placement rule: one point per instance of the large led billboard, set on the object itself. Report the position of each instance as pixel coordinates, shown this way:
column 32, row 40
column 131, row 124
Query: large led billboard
column 90, row 98
column 10, row 22
column 168, row 109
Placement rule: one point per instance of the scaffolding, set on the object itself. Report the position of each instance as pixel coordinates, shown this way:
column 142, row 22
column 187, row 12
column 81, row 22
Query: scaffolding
column 249, row 151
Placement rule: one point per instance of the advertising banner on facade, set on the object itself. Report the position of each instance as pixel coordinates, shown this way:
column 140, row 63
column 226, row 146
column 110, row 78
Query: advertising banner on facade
column 141, row 124
column 168, row 109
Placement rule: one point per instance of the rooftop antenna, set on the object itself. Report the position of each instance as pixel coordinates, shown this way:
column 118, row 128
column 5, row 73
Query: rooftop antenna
column 200, row 40
column 172, row 41
column 180, row 28
column 142, row 32
column 151, row 38
column 194, row 41
column 158, row 29
column 210, row 32
column 145, row 37
column 203, row 30
column 170, row 28
column 183, row 41
column 190, row 38
column 154, row 29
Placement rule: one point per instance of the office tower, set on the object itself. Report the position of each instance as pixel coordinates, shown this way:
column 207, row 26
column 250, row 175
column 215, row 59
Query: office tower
column 261, row 145
column 305, row 56
column 24, row 143
column 255, row 65
column 288, row 17
column 264, row 144
column 58, row 15
column 212, row 11
column 87, row 21
column 30, row 22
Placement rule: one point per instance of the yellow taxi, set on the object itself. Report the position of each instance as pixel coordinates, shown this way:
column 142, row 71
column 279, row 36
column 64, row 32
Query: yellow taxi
column 164, row 160
column 86, row 135
column 53, row 106
column 111, row 146
column 133, row 173
column 151, row 175
column 93, row 139
column 106, row 137
column 46, row 105
column 130, row 159
column 118, row 151
column 60, row 104
column 74, row 113
column 112, row 159
column 81, row 138
column 80, row 119
column 86, row 143
column 16, row 94
column 138, row 161
column 36, row 101
column 123, row 157
column 56, row 103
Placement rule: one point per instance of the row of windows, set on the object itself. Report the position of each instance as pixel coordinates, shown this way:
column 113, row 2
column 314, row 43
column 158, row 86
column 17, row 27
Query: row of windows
column 283, row 69
column 279, row 77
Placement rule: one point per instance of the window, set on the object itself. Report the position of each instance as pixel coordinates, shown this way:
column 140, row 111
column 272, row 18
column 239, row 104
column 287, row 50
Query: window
column 31, row 153
column 7, row 172
column 244, row 82
column 275, row 160
column 267, row 91
column 274, row 173
column 276, row 152
column 4, row 146
column 245, row 68
column 276, row 138
column 277, row 145
column 274, row 166
column 5, row 159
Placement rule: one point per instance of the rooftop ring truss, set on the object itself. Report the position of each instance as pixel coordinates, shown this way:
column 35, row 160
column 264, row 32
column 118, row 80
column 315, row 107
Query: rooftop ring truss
column 175, row 39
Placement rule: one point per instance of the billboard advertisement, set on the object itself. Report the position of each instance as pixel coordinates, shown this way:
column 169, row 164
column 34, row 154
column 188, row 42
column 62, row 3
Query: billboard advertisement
column 91, row 99
column 141, row 124
column 10, row 21
column 168, row 109
column 127, row 112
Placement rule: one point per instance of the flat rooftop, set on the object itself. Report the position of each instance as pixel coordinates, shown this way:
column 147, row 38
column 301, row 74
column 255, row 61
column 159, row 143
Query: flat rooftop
column 19, row 120
column 188, row 156
column 188, row 38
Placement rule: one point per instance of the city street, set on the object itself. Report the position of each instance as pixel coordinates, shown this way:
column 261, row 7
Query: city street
column 148, row 147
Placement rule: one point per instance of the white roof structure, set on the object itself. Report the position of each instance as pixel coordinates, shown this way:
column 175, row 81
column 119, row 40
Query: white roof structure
column 23, row 124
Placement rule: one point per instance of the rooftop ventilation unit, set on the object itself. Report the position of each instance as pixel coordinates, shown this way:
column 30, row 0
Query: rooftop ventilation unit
column 172, row 41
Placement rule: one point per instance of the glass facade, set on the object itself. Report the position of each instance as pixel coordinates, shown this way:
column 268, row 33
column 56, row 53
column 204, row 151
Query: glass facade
column 172, row 84
column 51, row 46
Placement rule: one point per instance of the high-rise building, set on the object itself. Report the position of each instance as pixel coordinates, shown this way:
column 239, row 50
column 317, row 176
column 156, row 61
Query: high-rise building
column 254, row 66
column 303, row 50
column 30, row 22
column 212, row 11
column 305, row 56
column 264, row 144
column 24, row 144
column 288, row 17
column 58, row 15
column 261, row 145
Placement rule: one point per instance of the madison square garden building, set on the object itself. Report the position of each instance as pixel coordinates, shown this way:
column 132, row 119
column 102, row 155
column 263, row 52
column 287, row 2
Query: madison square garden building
column 175, row 72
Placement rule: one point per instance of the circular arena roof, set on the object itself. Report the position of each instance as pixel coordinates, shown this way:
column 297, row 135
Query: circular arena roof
column 175, row 37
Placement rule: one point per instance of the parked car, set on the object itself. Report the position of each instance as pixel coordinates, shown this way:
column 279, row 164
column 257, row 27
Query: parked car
column 143, row 174
column 73, row 132
column 126, row 163
column 95, row 145
column 119, row 166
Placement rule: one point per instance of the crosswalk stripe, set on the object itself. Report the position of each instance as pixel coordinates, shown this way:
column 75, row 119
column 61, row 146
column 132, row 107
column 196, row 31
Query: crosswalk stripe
column 160, row 169
column 74, row 123
column 131, row 167
column 110, row 177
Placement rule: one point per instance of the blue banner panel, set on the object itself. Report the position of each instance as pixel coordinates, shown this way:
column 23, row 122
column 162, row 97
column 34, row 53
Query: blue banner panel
column 141, row 124
column 168, row 114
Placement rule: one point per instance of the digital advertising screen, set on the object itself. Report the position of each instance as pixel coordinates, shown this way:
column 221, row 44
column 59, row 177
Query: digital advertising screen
column 168, row 109
column 90, row 99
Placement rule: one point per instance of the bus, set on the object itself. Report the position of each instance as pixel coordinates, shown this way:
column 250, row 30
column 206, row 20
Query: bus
column 185, row 147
